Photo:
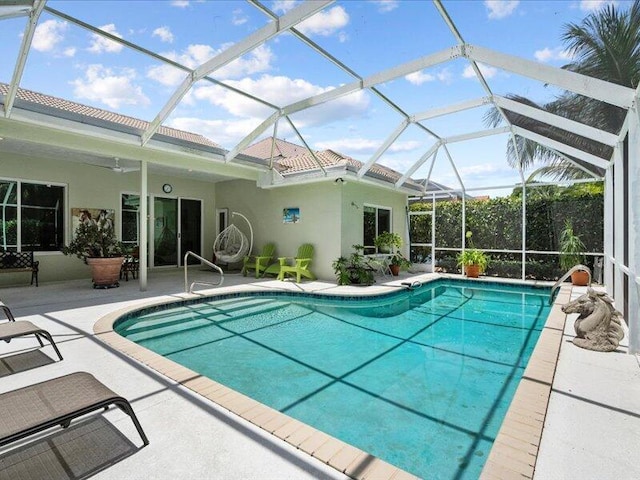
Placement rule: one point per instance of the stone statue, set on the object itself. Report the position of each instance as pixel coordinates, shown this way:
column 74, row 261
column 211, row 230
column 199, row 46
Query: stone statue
column 599, row 325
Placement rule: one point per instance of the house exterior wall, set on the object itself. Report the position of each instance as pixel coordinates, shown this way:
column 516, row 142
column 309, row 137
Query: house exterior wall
column 95, row 187
column 320, row 218
column 354, row 197
column 328, row 218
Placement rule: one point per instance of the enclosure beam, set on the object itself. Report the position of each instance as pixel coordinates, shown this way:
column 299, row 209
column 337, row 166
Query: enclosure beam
column 574, row 82
column 608, row 264
column 383, row 148
column 479, row 134
column 449, row 109
column 582, row 155
column 633, row 219
column 25, row 46
column 286, row 21
column 418, row 164
column 523, row 208
column 557, row 121
column 144, row 225
column 618, row 222
column 244, row 143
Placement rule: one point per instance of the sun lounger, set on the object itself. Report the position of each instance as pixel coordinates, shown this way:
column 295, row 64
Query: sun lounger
column 22, row 328
column 35, row 408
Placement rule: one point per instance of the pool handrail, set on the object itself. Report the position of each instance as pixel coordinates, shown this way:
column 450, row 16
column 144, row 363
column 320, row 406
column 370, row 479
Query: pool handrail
column 567, row 275
column 189, row 289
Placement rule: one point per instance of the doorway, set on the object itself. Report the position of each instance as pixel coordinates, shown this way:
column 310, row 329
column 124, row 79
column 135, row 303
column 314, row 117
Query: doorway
column 177, row 228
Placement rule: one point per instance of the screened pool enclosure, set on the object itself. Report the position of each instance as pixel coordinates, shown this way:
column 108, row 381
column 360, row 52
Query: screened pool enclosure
column 394, row 84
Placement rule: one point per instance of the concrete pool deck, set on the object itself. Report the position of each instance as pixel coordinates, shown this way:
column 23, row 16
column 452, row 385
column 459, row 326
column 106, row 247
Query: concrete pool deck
column 591, row 429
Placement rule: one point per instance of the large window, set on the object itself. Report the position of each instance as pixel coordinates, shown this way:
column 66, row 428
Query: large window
column 376, row 220
column 32, row 216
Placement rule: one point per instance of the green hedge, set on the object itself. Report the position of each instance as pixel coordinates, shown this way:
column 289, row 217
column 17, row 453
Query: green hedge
column 497, row 224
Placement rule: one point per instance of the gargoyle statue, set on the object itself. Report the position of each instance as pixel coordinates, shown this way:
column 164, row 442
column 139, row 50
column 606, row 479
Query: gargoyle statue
column 599, row 325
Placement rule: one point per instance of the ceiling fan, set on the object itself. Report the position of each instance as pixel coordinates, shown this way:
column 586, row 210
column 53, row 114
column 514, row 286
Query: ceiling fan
column 117, row 168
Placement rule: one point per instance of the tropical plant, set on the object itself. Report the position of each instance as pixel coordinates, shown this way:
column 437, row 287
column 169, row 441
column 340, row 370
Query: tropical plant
column 95, row 239
column 605, row 45
column 473, row 256
column 399, row 260
column 388, row 240
column 571, row 247
column 353, row 270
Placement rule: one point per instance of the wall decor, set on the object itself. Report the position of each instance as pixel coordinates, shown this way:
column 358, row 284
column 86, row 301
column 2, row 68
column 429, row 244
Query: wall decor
column 291, row 215
column 91, row 215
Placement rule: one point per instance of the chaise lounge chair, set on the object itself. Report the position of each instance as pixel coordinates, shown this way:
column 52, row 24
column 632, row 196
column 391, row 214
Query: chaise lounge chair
column 38, row 407
column 300, row 268
column 259, row 263
column 22, row 328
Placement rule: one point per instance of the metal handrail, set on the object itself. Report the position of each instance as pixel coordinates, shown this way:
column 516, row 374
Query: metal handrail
column 567, row 275
column 211, row 264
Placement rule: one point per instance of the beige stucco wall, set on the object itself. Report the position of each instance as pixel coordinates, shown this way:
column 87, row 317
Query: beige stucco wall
column 94, row 187
column 319, row 224
column 328, row 218
column 354, row 196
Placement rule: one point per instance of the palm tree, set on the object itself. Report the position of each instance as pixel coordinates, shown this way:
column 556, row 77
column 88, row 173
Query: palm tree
column 605, row 45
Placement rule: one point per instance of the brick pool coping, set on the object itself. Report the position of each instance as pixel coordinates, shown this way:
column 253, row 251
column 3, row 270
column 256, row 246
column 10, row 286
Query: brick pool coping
column 514, row 451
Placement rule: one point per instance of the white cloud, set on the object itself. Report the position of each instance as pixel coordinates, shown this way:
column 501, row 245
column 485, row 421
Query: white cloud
column 593, row 5
column 445, row 75
column 101, row 84
column 385, row 6
column 48, row 34
column 257, row 61
column 164, row 33
column 365, row 146
column 223, row 132
column 418, row 78
column 486, row 70
column 239, row 18
column 325, row 23
column 549, row 54
column 100, row 44
column 283, row 6
column 500, row 8
column 408, row 146
column 69, row 52
column 281, row 91
column 180, row 3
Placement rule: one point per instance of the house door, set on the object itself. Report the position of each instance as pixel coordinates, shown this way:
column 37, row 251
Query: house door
column 177, row 228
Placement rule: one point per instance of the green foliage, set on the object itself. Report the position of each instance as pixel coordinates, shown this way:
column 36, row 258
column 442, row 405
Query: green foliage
column 497, row 224
column 388, row 240
column 353, row 270
column 571, row 247
column 473, row 256
column 94, row 239
column 399, row 260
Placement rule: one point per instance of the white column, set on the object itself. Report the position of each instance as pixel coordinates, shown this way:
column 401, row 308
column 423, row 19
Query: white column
column 618, row 233
column 633, row 166
column 607, row 265
column 144, row 226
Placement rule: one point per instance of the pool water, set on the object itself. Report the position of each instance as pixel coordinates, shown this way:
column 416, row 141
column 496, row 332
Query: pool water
column 421, row 379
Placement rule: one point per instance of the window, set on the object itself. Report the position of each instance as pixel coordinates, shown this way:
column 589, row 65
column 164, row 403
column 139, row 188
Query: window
column 376, row 220
column 130, row 219
column 32, row 216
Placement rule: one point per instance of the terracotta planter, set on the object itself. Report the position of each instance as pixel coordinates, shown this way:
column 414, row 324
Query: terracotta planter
column 580, row 278
column 105, row 272
column 472, row 271
column 395, row 270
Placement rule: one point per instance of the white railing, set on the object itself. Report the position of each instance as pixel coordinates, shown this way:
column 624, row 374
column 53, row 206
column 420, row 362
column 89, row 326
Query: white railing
column 188, row 288
column 567, row 275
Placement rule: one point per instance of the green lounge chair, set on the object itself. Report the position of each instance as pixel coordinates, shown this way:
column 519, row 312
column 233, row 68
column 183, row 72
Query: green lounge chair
column 301, row 266
column 259, row 263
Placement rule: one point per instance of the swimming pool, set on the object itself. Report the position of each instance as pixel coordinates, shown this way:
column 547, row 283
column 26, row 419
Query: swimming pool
column 421, row 379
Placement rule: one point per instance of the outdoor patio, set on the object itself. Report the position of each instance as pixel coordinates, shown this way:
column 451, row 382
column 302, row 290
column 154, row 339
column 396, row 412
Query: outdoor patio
column 591, row 428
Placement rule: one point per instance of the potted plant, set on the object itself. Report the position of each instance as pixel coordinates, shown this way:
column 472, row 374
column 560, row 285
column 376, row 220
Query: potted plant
column 386, row 241
column 353, row 270
column 571, row 248
column 95, row 242
column 473, row 261
column 396, row 262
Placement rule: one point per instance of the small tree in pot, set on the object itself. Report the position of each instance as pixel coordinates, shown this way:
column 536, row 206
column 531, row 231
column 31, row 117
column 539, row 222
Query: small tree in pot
column 95, row 243
column 387, row 241
column 571, row 254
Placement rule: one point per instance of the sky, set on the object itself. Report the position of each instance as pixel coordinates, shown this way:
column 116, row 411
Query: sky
column 369, row 36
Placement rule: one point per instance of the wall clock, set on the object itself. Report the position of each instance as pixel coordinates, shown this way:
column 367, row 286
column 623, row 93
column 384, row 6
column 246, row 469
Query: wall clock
column 167, row 188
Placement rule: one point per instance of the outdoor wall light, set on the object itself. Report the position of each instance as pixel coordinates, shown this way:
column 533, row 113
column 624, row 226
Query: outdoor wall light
column 339, row 181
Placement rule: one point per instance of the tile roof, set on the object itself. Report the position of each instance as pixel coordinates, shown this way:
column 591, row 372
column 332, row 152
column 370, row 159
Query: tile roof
column 296, row 159
column 104, row 115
